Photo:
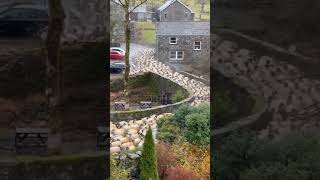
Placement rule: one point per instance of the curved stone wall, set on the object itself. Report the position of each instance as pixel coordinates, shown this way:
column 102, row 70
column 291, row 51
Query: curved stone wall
column 291, row 96
column 116, row 116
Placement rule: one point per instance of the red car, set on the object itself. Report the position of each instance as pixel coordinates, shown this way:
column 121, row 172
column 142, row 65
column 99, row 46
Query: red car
column 116, row 55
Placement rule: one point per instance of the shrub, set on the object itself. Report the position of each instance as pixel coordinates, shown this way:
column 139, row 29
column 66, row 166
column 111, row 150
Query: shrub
column 192, row 157
column 179, row 173
column 197, row 124
column 167, row 130
column 180, row 114
column 117, row 172
column 178, row 96
column 165, row 159
column 197, row 129
column 148, row 161
column 291, row 157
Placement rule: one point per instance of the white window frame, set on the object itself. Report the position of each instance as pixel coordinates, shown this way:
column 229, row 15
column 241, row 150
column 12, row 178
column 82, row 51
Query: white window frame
column 176, row 55
column 171, row 42
column 194, row 45
column 165, row 15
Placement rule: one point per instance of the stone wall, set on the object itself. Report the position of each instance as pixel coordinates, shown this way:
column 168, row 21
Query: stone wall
column 165, row 85
column 118, row 116
column 176, row 12
column 72, row 167
column 186, row 44
column 280, row 78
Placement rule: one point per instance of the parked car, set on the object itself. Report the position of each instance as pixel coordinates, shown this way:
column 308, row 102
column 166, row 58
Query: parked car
column 118, row 49
column 24, row 19
column 116, row 55
column 117, row 67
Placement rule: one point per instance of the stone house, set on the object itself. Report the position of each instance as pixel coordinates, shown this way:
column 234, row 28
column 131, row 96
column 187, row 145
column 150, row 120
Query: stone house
column 183, row 42
column 174, row 10
column 141, row 13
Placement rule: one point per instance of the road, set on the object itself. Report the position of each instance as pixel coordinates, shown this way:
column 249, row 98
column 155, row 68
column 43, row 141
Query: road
column 134, row 50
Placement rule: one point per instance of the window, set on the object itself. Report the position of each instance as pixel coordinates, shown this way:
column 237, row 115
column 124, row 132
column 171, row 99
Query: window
column 197, row 45
column 165, row 16
column 186, row 14
column 173, row 40
column 176, row 55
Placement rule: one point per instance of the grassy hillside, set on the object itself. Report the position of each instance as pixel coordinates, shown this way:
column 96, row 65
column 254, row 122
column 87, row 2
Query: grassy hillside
column 149, row 33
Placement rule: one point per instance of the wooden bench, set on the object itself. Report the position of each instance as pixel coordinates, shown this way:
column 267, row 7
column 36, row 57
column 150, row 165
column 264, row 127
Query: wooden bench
column 145, row 104
column 31, row 140
column 119, row 106
column 102, row 138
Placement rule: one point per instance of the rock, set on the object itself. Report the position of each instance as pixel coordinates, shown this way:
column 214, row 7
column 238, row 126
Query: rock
column 114, row 150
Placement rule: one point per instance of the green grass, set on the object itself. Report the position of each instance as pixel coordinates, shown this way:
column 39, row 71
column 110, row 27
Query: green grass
column 149, row 33
column 145, row 25
column 150, row 36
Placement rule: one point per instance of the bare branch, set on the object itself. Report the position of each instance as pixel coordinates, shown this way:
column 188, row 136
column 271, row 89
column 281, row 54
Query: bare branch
column 141, row 2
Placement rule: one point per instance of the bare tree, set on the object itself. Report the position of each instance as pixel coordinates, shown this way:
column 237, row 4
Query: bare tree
column 128, row 7
column 54, row 73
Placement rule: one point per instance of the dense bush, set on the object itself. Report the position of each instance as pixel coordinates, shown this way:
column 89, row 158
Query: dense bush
column 165, row 159
column 148, row 162
column 178, row 96
column 198, row 125
column 167, row 131
column 117, row 172
column 179, row 173
column 193, row 123
column 245, row 157
column 231, row 102
column 193, row 157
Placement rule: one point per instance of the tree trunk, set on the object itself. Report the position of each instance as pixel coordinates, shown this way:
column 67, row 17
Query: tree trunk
column 127, row 69
column 54, row 74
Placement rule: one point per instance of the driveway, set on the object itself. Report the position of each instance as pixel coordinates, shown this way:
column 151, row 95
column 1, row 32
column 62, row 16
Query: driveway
column 134, row 50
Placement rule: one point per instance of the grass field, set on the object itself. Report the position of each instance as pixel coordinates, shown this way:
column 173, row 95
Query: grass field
column 149, row 33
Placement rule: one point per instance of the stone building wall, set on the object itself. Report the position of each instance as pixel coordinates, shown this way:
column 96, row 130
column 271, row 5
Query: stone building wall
column 186, row 44
column 176, row 12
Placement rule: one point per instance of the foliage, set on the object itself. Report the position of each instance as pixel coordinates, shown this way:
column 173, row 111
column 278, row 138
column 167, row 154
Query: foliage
column 117, row 172
column 190, row 122
column 165, row 159
column 180, row 173
column 178, row 96
column 198, row 126
column 148, row 161
column 293, row 157
column 180, row 115
column 167, row 131
column 193, row 157
column 231, row 102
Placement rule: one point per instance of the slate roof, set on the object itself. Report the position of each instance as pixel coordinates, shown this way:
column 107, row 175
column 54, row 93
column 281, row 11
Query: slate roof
column 183, row 28
column 169, row 2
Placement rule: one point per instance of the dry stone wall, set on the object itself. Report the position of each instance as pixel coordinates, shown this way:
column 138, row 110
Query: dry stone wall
column 290, row 95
